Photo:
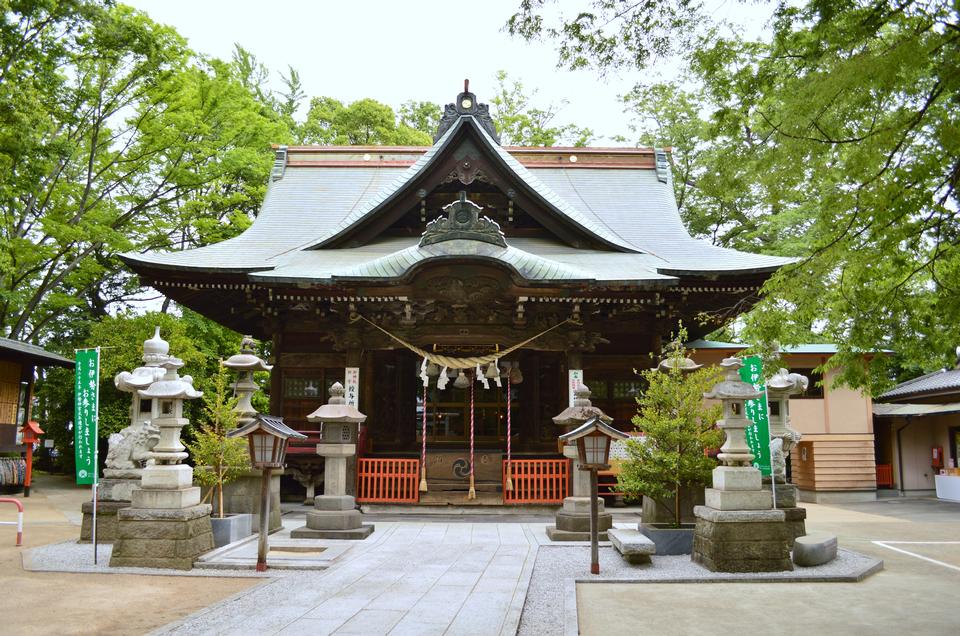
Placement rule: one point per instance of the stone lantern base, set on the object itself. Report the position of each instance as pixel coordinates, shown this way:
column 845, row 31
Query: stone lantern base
column 334, row 517
column 787, row 502
column 741, row 540
column 573, row 521
column 166, row 525
column 150, row 538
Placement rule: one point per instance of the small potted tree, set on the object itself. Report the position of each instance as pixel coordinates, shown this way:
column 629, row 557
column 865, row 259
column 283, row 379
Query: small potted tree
column 219, row 459
column 670, row 457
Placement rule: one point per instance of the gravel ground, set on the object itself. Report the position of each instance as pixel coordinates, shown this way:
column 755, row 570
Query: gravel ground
column 70, row 556
column 557, row 569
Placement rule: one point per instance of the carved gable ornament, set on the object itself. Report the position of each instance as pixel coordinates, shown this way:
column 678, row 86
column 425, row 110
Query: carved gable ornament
column 463, row 221
column 466, row 104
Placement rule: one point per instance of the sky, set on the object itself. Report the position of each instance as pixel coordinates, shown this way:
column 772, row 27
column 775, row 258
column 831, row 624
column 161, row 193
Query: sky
column 394, row 51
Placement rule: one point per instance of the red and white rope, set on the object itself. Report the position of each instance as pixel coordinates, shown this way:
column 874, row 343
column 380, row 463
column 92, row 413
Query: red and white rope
column 471, row 429
column 508, row 419
column 423, row 434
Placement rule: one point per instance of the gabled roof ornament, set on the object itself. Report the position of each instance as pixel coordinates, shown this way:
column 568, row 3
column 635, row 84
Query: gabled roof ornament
column 466, row 104
column 279, row 163
column 663, row 165
column 463, row 221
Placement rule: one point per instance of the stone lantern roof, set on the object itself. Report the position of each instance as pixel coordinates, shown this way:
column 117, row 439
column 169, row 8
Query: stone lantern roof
column 732, row 387
column 581, row 411
column 786, row 383
column 171, row 386
column 155, row 353
column 337, row 409
column 246, row 360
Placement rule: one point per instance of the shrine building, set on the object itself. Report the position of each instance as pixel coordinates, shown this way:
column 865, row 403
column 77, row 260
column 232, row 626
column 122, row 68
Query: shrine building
column 388, row 268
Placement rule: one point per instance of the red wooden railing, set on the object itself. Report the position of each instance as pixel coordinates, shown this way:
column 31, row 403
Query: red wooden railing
column 542, row 481
column 885, row 475
column 382, row 480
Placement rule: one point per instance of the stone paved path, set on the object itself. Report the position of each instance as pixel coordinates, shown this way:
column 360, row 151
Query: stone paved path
column 408, row 578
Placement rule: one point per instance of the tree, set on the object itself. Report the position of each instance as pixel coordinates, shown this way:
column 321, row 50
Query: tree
column 219, row 459
column 114, row 138
column 421, row 116
column 836, row 140
column 676, row 431
column 521, row 124
column 364, row 122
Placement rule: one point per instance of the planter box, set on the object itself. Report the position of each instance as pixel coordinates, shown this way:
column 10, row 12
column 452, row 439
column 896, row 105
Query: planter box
column 667, row 539
column 231, row 528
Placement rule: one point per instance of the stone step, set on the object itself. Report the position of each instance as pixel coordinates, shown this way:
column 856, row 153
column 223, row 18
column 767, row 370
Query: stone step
column 632, row 545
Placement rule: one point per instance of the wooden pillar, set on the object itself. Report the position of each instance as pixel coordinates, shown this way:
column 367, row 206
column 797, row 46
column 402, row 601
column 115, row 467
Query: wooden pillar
column 276, row 376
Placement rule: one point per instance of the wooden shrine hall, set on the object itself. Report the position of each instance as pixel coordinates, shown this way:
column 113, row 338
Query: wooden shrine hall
column 385, row 268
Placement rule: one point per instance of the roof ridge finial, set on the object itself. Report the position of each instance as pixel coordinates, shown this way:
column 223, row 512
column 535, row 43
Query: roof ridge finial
column 466, row 86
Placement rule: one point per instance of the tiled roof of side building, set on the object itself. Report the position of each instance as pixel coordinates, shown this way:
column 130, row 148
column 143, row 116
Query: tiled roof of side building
column 32, row 353
column 942, row 381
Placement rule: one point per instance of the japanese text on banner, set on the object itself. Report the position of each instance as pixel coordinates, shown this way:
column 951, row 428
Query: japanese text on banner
column 758, row 435
column 86, row 394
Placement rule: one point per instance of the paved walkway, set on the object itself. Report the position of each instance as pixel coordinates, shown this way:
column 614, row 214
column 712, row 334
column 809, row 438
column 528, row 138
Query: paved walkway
column 409, row 578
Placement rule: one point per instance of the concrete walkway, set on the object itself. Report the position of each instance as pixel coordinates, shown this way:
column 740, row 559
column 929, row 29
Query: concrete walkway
column 407, row 578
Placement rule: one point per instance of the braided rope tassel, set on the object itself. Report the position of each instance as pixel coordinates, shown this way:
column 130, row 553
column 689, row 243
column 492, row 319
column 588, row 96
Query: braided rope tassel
column 509, row 484
column 472, row 493
column 423, row 450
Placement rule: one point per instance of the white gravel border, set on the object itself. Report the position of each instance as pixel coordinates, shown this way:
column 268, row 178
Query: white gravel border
column 70, row 556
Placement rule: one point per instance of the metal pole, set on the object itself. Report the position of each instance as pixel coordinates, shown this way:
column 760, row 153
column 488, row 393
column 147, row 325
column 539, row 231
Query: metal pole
column 594, row 524
column 264, row 520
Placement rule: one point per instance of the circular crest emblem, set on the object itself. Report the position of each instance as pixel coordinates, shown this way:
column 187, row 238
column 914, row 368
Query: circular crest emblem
column 461, row 468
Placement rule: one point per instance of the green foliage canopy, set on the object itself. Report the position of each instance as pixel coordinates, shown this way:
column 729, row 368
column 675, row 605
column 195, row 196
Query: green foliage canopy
column 835, row 141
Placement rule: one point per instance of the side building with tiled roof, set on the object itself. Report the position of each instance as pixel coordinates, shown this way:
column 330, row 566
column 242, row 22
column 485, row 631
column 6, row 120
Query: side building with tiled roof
column 364, row 261
column 919, row 424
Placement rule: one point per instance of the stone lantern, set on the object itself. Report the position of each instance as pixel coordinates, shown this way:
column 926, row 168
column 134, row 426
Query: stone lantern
column 780, row 388
column 335, row 515
column 736, row 482
column 573, row 519
column 245, row 364
column 129, row 449
column 737, row 530
column 241, row 496
column 166, row 525
column 784, row 439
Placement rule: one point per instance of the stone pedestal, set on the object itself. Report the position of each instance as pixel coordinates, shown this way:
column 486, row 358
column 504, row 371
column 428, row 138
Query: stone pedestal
column 795, row 517
column 171, row 538
column 573, row 520
column 165, row 525
column 113, row 494
column 106, row 520
column 334, row 517
column 741, row 540
column 242, row 496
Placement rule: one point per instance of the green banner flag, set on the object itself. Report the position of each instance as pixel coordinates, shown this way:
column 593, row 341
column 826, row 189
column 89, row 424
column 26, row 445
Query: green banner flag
column 86, row 399
column 758, row 435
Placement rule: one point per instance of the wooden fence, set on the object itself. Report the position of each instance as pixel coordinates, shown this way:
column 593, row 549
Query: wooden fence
column 537, row 481
column 388, row 480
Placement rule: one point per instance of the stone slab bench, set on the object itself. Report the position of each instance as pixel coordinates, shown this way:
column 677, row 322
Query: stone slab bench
column 814, row 549
column 635, row 547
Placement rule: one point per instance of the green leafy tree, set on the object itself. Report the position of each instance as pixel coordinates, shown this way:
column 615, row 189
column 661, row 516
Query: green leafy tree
column 677, row 429
column 522, row 124
column 218, row 459
column 114, row 137
column 364, row 122
column 834, row 140
column 421, row 116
